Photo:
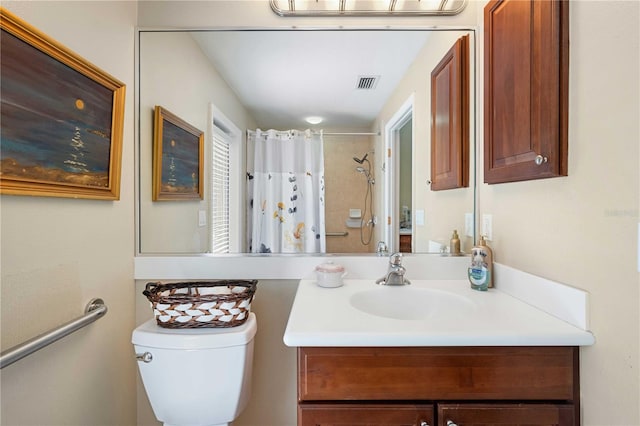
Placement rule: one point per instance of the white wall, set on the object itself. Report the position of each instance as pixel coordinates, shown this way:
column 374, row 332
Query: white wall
column 57, row 254
column 582, row 229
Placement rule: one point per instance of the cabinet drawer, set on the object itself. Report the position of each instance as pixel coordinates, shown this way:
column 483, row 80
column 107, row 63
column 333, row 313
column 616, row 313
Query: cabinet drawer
column 365, row 414
column 505, row 414
column 437, row 373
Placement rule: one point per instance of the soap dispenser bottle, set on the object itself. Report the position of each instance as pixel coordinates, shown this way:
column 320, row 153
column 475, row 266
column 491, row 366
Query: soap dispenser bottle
column 454, row 244
column 481, row 269
column 488, row 260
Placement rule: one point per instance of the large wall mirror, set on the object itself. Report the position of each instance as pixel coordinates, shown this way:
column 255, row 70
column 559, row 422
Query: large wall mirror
column 371, row 88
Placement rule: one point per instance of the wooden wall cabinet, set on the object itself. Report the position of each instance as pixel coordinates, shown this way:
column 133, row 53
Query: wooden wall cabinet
column 450, row 119
column 405, row 243
column 526, row 86
column 434, row 386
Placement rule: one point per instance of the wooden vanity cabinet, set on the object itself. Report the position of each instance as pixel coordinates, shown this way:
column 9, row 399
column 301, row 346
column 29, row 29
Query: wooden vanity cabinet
column 526, row 88
column 434, row 385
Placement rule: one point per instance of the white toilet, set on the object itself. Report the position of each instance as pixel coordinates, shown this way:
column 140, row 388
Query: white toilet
column 196, row 376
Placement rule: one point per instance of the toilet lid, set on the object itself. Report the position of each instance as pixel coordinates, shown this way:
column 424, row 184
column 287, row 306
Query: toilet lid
column 150, row 334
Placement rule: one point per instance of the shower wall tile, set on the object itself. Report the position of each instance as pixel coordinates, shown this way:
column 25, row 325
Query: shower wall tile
column 345, row 189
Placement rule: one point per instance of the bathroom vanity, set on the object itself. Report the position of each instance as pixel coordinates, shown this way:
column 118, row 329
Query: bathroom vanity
column 438, row 385
column 432, row 353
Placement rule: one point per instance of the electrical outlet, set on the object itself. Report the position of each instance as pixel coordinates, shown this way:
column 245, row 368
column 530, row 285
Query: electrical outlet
column 487, row 227
column 468, row 224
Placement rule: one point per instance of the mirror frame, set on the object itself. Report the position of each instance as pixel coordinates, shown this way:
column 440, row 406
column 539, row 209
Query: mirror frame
column 473, row 131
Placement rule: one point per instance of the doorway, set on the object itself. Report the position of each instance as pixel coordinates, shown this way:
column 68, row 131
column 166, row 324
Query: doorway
column 399, row 159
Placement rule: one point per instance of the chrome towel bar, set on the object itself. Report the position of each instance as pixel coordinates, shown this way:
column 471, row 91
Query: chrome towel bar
column 94, row 310
column 336, row 234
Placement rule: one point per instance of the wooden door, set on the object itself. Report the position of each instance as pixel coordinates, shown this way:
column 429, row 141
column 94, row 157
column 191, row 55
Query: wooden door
column 365, row 415
column 506, row 414
column 526, row 89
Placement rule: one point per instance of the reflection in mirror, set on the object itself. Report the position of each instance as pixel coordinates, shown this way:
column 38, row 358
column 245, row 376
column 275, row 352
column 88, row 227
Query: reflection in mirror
column 228, row 83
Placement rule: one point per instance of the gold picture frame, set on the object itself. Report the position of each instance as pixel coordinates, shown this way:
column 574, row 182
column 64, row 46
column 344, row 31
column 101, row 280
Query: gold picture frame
column 178, row 151
column 62, row 119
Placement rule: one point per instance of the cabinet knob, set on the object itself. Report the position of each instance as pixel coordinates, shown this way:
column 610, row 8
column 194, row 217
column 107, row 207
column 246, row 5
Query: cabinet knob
column 540, row 159
column 423, row 423
column 451, row 423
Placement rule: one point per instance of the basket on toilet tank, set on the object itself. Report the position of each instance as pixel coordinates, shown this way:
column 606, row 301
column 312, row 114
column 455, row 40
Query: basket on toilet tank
column 221, row 303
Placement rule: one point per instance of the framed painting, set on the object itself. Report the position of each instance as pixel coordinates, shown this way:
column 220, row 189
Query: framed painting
column 61, row 119
column 178, row 150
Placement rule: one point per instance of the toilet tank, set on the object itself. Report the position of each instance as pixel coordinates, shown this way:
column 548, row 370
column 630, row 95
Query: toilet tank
column 196, row 376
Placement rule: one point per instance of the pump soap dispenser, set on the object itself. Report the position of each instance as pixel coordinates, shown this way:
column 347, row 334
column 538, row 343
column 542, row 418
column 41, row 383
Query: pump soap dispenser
column 454, row 244
column 481, row 269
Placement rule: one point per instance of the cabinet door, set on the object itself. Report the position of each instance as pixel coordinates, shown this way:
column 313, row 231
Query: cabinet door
column 450, row 119
column 365, row 415
column 506, row 414
column 526, row 89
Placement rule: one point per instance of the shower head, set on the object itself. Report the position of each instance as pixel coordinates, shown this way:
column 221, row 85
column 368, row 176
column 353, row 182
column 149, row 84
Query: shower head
column 360, row 160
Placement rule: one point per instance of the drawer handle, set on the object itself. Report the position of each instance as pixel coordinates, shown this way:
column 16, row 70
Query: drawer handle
column 539, row 161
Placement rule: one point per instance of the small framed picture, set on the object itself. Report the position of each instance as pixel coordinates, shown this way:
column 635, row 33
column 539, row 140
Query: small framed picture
column 178, row 150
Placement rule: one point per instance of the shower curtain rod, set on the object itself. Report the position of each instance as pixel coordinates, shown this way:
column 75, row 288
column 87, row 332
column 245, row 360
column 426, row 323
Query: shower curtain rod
column 351, row 134
column 339, row 133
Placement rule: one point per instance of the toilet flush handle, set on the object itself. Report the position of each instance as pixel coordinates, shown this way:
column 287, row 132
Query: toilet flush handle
column 145, row 357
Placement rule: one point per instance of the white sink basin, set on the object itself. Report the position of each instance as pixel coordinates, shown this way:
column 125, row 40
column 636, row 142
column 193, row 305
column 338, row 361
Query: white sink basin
column 410, row 303
column 425, row 313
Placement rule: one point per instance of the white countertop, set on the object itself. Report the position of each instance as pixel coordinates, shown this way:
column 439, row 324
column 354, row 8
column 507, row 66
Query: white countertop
column 326, row 317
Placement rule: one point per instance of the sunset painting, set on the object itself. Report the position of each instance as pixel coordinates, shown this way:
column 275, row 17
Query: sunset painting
column 56, row 123
column 61, row 120
column 178, row 151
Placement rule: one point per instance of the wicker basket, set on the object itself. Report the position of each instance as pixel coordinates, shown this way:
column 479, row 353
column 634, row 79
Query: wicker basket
column 224, row 303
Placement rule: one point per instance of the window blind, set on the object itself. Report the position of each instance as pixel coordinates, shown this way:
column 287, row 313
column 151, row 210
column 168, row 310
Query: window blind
column 220, row 229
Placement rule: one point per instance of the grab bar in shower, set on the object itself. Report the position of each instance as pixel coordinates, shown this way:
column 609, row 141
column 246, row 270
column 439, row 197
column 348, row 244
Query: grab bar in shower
column 336, row 234
column 94, row 310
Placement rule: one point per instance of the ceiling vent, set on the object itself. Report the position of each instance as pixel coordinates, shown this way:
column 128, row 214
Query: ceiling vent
column 368, row 82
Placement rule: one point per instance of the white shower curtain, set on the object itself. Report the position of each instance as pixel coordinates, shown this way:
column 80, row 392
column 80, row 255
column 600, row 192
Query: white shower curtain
column 287, row 199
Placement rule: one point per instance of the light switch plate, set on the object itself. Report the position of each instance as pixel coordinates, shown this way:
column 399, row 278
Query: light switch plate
column 468, row 224
column 202, row 218
column 487, row 226
column 420, row 217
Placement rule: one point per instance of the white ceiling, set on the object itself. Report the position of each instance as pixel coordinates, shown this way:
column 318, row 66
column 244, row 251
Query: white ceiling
column 283, row 76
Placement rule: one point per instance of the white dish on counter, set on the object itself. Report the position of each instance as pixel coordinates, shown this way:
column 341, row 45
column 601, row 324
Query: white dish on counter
column 425, row 313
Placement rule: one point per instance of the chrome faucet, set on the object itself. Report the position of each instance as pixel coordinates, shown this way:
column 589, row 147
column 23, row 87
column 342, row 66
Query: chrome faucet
column 395, row 274
column 381, row 249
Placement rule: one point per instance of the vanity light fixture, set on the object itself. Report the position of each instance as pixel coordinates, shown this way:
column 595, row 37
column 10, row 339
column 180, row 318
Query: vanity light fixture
column 367, row 8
